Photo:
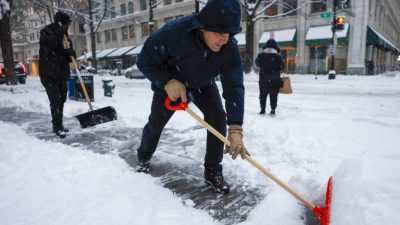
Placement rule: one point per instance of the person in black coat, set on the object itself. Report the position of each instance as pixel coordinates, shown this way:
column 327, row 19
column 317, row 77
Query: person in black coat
column 54, row 69
column 183, row 59
column 271, row 65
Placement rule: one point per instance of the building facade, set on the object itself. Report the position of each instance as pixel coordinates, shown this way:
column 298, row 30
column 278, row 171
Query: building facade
column 368, row 44
column 127, row 26
column 26, row 36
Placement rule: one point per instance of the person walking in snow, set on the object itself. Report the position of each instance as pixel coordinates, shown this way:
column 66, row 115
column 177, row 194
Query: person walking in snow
column 54, row 69
column 271, row 65
column 182, row 59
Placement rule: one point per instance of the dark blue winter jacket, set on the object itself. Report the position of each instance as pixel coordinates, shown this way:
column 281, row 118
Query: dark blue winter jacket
column 177, row 51
column 271, row 64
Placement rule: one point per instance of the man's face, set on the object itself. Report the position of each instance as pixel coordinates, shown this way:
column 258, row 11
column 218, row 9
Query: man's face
column 66, row 25
column 214, row 40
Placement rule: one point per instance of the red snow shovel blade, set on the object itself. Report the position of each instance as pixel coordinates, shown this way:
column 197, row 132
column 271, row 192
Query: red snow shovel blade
column 324, row 213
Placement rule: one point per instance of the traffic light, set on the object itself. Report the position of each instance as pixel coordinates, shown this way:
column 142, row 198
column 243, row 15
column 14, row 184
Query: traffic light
column 340, row 23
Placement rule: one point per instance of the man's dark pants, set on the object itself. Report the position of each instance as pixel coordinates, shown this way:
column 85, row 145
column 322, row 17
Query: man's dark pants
column 265, row 89
column 208, row 100
column 57, row 92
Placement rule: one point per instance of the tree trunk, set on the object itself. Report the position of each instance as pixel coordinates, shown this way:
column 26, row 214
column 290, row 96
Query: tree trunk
column 6, row 48
column 249, row 51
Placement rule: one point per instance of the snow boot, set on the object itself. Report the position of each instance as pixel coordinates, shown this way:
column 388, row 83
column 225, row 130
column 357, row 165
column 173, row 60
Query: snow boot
column 64, row 129
column 262, row 112
column 60, row 133
column 143, row 166
column 272, row 113
column 214, row 177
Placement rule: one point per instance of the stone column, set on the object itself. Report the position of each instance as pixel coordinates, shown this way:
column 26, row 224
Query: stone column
column 302, row 48
column 358, row 37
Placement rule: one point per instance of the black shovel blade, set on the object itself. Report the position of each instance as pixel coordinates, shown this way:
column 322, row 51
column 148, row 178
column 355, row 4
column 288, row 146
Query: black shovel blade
column 97, row 116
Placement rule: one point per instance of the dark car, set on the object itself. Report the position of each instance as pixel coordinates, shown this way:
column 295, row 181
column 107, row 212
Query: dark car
column 20, row 72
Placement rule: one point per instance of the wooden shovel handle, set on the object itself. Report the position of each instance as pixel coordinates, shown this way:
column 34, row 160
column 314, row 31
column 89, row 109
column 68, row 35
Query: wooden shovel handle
column 75, row 65
column 221, row 137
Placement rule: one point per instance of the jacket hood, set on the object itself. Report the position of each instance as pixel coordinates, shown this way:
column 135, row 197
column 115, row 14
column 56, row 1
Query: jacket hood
column 222, row 16
column 271, row 43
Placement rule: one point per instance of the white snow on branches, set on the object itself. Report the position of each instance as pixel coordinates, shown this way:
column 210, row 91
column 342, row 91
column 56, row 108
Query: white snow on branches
column 4, row 8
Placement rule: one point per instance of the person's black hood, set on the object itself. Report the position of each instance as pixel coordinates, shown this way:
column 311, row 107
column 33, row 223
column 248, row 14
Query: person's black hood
column 62, row 17
column 271, row 43
column 222, row 16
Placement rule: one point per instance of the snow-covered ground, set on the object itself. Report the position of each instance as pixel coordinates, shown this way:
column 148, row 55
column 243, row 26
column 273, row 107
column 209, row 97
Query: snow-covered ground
column 348, row 128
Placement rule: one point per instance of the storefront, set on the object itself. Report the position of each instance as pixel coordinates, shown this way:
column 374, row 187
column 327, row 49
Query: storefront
column 381, row 54
column 241, row 42
column 119, row 56
column 131, row 56
column 319, row 39
column 287, row 41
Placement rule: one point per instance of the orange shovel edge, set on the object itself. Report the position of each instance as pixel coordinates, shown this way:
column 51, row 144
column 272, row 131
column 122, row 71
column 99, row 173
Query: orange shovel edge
column 322, row 213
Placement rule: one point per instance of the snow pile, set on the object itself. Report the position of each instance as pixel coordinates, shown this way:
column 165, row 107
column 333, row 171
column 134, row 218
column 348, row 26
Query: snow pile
column 347, row 127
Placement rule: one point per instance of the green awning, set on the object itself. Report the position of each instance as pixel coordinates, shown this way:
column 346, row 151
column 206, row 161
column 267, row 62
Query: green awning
column 376, row 39
column 322, row 35
column 284, row 38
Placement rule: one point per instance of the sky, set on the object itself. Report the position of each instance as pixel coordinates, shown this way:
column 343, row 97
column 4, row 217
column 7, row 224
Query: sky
column 348, row 128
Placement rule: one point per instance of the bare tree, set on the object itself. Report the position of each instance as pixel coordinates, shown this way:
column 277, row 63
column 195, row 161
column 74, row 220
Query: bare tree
column 6, row 41
column 254, row 10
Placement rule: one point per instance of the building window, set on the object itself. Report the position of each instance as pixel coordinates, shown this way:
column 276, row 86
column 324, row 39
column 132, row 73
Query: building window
column 318, row 7
column 108, row 35
column 143, row 5
column 145, row 29
column 168, row 19
column 32, row 36
column 155, row 25
column 98, row 37
column 178, row 1
column 272, row 10
column 113, row 14
column 130, row 7
column 124, row 32
column 288, row 6
column 123, row 9
column 167, row 2
column 114, row 34
column 132, row 32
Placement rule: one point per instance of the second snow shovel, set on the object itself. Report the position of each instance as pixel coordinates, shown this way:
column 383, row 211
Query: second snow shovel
column 321, row 212
column 93, row 117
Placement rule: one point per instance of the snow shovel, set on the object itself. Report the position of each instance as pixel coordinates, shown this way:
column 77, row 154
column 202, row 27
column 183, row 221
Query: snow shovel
column 93, row 117
column 321, row 212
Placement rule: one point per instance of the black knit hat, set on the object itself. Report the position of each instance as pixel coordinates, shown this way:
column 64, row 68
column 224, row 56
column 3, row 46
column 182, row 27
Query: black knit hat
column 222, row 16
column 62, row 17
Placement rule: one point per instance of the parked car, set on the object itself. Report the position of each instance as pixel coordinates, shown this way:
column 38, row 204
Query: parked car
column 86, row 69
column 133, row 72
column 20, row 72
